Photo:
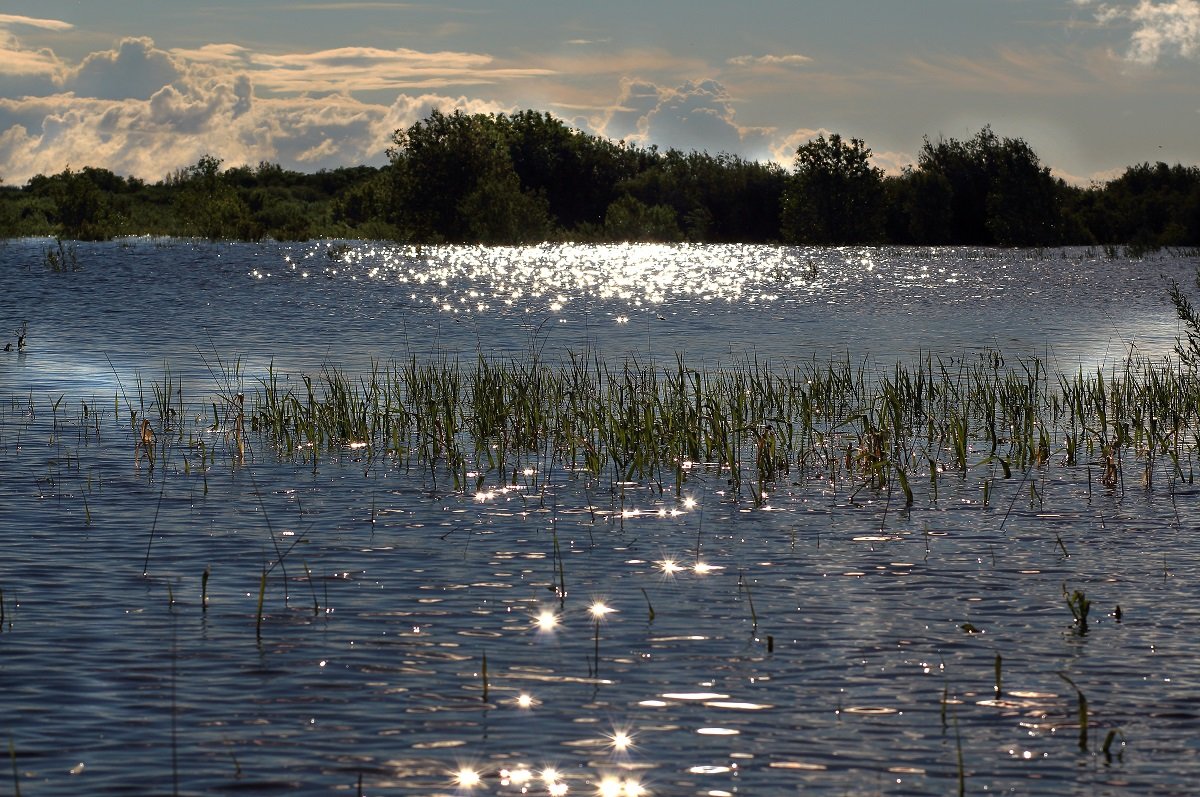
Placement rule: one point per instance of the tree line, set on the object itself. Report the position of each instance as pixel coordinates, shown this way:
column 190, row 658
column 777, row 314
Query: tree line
column 529, row 177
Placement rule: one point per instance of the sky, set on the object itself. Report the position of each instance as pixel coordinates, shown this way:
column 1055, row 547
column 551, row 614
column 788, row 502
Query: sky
column 146, row 87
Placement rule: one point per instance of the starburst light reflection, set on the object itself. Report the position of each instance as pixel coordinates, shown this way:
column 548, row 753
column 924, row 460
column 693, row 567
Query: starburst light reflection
column 669, row 566
column 546, row 621
column 466, row 778
column 599, row 609
column 620, row 740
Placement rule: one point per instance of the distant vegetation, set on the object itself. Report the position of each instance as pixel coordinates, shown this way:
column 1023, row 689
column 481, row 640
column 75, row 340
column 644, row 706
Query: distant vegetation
column 529, row 177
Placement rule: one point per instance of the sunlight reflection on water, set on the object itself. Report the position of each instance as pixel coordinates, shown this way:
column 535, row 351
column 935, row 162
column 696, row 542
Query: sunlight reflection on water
column 140, row 305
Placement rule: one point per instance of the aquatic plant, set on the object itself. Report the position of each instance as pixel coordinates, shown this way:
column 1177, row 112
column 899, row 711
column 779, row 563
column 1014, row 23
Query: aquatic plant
column 494, row 421
column 1189, row 351
column 1082, row 703
column 60, row 257
column 1079, row 605
column 258, row 614
column 1109, row 738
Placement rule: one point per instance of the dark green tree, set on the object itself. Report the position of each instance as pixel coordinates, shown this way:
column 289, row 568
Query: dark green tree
column 999, row 193
column 835, row 195
column 578, row 174
column 630, row 219
column 1023, row 206
column 209, row 204
column 81, row 207
column 720, row 198
column 9, row 199
column 453, row 180
column 1148, row 206
column 920, row 208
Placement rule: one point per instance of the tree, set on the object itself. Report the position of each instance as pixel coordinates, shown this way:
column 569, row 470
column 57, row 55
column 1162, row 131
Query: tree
column 577, row 173
column 210, row 204
column 453, row 180
column 922, row 208
column 1023, row 199
column 835, row 195
column 81, row 207
column 1147, row 206
column 629, row 219
column 1000, row 194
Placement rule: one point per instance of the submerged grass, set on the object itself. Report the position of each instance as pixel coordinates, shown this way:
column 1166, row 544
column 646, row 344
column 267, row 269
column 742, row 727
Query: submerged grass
column 496, row 422
column 476, row 424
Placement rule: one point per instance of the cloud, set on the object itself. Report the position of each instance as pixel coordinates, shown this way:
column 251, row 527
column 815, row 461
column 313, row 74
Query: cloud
column 1012, row 71
column 691, row 116
column 200, row 114
column 7, row 20
column 1159, row 29
column 25, row 71
column 140, row 110
column 355, row 69
column 769, row 60
column 136, row 69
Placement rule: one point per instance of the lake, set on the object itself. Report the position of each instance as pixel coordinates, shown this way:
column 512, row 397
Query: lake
column 181, row 618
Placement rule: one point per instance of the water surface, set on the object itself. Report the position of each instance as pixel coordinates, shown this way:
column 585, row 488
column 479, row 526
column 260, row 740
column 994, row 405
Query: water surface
column 814, row 642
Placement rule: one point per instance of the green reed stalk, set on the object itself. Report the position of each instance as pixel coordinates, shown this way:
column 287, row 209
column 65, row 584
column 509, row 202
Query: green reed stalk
column 313, row 589
column 262, row 591
column 1083, row 713
column 750, row 599
column 958, row 748
column 649, row 607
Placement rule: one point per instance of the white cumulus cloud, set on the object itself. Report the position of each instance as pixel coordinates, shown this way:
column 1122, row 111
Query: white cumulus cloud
column 140, row 110
column 696, row 115
column 1159, row 28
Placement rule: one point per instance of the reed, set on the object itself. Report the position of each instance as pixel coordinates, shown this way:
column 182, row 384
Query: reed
column 1109, row 738
column 743, row 585
column 753, row 422
column 312, row 588
column 649, row 606
column 1079, row 605
column 258, row 616
column 1082, row 707
column 958, row 748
